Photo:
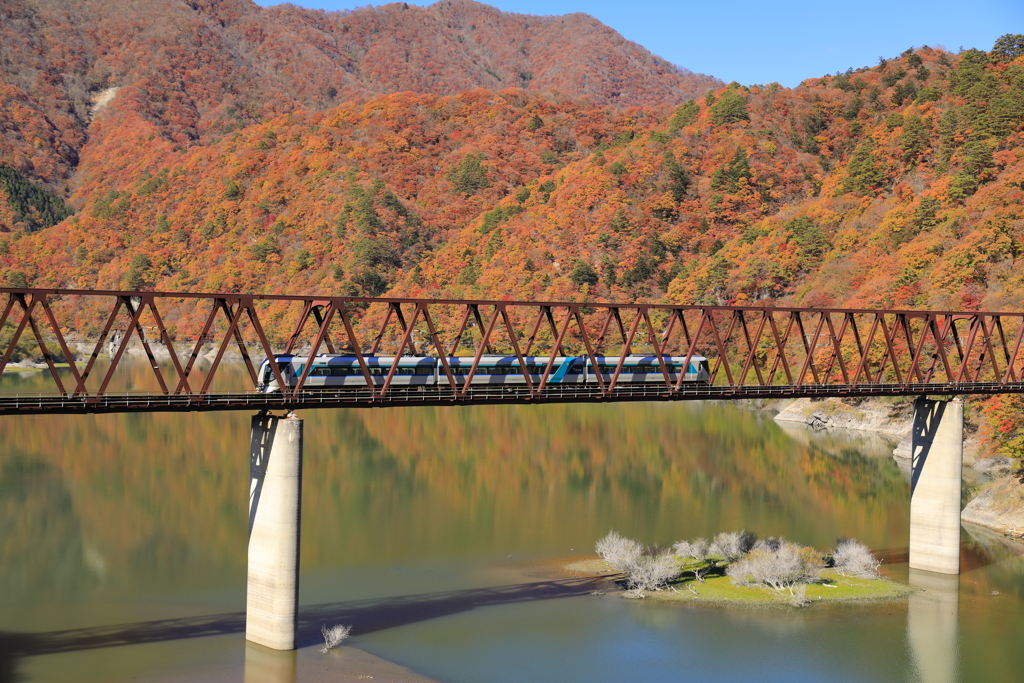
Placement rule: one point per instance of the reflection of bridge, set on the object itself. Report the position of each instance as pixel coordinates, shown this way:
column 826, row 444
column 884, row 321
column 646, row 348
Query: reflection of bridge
column 751, row 352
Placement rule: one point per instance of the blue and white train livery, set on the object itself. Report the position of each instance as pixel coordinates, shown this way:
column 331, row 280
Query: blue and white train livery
column 333, row 370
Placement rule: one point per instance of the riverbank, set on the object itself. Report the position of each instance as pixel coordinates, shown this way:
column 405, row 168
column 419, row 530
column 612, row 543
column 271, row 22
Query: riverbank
column 998, row 501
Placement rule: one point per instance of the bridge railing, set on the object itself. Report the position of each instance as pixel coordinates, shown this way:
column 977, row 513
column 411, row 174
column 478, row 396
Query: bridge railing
column 185, row 339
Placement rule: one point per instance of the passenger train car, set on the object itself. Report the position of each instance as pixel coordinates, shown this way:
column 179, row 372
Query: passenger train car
column 332, row 370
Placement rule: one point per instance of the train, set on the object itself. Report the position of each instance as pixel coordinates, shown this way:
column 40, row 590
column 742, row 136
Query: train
column 330, row 371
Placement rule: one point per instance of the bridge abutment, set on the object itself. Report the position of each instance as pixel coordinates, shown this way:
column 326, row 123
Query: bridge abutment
column 275, row 501
column 938, row 447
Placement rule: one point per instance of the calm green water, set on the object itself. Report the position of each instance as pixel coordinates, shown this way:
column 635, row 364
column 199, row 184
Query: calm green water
column 123, row 546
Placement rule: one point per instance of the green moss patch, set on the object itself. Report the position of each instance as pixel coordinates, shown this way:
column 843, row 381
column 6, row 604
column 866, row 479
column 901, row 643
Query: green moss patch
column 720, row 590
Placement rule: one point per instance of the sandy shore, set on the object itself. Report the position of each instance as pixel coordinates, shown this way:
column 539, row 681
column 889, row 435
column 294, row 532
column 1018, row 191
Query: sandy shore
column 308, row 665
column 504, row 581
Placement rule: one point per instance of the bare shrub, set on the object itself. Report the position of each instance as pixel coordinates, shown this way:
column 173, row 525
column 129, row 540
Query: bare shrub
column 619, row 552
column 771, row 543
column 334, row 635
column 651, row 572
column 853, row 558
column 700, row 550
column 799, row 594
column 732, row 545
column 783, row 568
column 697, row 548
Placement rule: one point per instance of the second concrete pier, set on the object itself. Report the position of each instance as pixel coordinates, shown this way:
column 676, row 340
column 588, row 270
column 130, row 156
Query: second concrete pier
column 938, row 453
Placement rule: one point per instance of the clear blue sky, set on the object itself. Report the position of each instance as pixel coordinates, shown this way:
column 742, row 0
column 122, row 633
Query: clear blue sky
column 760, row 41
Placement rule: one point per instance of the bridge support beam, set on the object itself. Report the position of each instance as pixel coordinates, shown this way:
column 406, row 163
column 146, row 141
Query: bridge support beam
column 275, row 501
column 938, row 448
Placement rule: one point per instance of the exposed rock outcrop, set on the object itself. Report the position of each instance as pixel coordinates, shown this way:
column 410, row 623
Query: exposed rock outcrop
column 882, row 416
column 998, row 506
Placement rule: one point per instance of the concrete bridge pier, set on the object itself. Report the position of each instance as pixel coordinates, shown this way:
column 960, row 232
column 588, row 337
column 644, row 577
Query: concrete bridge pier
column 275, row 502
column 938, row 449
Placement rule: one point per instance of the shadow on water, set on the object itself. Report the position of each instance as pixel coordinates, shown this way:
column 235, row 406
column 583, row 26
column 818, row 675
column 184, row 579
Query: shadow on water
column 368, row 616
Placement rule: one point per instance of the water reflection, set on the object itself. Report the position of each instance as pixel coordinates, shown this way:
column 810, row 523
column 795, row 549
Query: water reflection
column 263, row 665
column 39, row 526
column 139, row 521
column 932, row 625
column 134, row 375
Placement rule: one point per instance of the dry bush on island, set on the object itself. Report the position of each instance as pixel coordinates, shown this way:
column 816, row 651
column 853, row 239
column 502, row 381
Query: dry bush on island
column 781, row 566
column 853, row 558
column 334, row 635
column 646, row 569
column 617, row 551
column 786, row 567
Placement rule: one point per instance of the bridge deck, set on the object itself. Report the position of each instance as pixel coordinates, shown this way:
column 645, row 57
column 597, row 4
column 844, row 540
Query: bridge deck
column 29, row 404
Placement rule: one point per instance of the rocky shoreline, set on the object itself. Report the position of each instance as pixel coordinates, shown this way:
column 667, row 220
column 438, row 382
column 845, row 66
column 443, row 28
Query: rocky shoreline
column 999, row 500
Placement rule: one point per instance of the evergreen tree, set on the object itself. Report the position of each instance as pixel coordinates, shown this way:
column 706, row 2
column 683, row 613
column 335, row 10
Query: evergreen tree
column 583, row 273
column 728, row 177
column 684, row 115
column 1008, row 47
column 731, row 107
column 35, row 206
column 469, row 176
column 1005, row 113
column 914, row 140
column 949, row 127
column 678, row 178
column 968, row 72
column 811, row 240
column 367, row 219
column 863, row 174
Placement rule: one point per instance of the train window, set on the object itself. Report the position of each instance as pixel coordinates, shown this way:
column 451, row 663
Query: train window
column 320, row 371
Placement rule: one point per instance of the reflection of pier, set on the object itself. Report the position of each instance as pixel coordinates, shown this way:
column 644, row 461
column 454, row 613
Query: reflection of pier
column 932, row 625
column 264, row 665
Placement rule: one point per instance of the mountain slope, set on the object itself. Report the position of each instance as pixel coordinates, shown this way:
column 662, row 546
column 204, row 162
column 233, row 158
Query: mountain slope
column 894, row 186
column 200, row 69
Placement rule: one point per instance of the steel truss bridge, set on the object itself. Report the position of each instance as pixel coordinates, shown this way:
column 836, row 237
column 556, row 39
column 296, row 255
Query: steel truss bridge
column 753, row 352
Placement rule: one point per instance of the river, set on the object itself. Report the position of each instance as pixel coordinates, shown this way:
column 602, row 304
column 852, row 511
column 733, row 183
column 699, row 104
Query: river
column 437, row 533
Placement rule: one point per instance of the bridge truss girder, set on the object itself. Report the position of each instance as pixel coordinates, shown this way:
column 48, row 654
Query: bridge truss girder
column 752, row 351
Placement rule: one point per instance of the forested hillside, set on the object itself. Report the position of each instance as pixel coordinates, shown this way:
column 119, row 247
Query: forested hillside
column 194, row 71
column 458, row 151
column 897, row 186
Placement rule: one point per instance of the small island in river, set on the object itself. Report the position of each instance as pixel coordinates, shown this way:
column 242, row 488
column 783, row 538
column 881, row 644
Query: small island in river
column 736, row 568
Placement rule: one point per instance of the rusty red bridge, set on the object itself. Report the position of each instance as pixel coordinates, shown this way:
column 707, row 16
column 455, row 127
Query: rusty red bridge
column 183, row 339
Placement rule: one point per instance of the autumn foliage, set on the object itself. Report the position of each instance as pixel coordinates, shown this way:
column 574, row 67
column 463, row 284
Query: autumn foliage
column 459, row 151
